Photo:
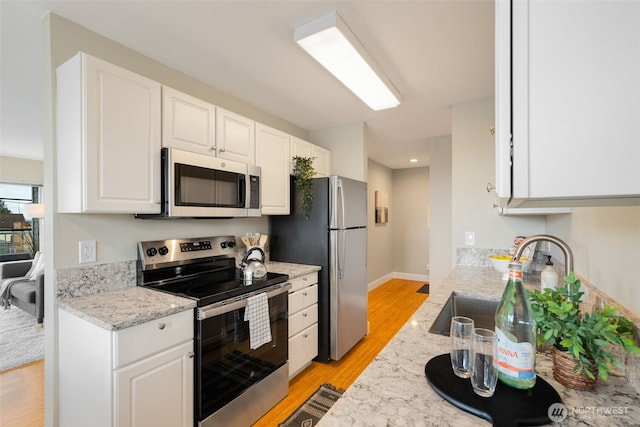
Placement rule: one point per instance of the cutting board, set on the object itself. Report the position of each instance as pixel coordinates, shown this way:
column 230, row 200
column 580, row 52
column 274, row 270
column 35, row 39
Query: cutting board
column 507, row 407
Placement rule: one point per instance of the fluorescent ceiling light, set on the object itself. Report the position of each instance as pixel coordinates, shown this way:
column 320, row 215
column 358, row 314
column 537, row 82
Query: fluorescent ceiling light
column 333, row 45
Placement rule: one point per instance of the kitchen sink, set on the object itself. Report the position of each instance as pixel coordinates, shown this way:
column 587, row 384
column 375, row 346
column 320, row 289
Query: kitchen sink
column 482, row 311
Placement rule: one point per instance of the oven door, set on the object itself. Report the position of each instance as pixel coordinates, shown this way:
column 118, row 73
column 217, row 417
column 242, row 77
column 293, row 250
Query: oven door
column 204, row 186
column 225, row 364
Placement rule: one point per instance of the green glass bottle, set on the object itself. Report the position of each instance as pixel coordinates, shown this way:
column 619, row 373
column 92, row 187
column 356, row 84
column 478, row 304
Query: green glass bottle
column 516, row 333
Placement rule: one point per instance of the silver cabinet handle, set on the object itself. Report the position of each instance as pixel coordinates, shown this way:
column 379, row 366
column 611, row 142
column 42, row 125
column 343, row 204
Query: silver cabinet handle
column 161, row 326
column 222, row 150
column 490, row 187
column 304, row 293
column 304, row 279
column 191, row 355
column 305, row 335
column 304, row 314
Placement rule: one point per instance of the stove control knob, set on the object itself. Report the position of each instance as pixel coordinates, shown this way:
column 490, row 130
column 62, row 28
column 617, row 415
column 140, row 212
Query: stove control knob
column 223, row 245
column 231, row 243
column 163, row 250
column 152, row 252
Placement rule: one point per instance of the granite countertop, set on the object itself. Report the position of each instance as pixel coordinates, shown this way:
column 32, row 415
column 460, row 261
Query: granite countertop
column 393, row 391
column 293, row 270
column 123, row 308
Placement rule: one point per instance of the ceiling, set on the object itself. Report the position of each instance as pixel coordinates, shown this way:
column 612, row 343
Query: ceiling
column 436, row 52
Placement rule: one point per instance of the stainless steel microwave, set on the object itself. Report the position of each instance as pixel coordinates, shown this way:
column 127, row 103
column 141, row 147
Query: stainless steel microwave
column 199, row 186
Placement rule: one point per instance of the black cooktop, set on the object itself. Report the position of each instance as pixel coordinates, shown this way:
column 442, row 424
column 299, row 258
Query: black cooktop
column 207, row 288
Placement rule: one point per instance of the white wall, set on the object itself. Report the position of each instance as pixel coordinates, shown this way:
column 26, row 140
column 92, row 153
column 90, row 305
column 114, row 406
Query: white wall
column 606, row 246
column 347, row 144
column 440, row 246
column 380, row 243
column 21, row 171
column 410, row 218
column 473, row 166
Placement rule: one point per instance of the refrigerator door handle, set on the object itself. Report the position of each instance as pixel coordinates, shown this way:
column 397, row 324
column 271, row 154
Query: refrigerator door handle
column 341, row 227
column 341, row 193
column 341, row 253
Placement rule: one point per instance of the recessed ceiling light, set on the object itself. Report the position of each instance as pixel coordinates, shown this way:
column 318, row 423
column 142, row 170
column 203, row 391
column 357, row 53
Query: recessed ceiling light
column 330, row 42
column 414, row 160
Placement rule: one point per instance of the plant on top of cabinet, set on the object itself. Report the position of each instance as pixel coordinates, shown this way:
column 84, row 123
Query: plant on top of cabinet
column 304, row 172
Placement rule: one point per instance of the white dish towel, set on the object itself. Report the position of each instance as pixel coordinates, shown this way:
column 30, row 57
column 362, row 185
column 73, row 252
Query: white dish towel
column 257, row 313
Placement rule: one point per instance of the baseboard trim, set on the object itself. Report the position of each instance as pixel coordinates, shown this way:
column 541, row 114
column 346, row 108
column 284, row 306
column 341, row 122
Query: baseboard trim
column 397, row 275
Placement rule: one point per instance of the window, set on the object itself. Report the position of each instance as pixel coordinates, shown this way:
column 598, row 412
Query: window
column 19, row 234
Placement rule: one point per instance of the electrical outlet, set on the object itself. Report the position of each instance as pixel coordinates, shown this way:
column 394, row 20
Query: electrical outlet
column 470, row 238
column 87, row 251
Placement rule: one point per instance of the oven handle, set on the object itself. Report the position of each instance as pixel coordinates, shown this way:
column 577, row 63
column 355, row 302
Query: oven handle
column 233, row 304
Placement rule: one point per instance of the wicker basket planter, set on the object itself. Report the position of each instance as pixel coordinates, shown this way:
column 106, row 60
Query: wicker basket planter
column 563, row 372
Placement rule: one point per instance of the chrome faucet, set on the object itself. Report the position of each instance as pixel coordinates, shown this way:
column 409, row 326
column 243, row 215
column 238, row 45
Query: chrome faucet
column 566, row 250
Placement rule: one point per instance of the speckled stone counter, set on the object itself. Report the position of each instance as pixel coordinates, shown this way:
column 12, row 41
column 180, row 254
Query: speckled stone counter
column 293, row 270
column 393, row 391
column 120, row 309
column 90, row 296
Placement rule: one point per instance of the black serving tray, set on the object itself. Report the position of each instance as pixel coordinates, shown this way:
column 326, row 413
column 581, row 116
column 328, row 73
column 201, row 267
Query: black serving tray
column 507, row 407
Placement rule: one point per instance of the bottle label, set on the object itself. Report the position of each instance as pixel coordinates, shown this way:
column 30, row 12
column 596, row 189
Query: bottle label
column 515, row 359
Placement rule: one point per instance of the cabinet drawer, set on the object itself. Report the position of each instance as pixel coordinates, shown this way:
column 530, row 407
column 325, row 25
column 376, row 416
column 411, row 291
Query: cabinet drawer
column 303, row 281
column 303, row 299
column 303, row 319
column 140, row 341
column 303, row 347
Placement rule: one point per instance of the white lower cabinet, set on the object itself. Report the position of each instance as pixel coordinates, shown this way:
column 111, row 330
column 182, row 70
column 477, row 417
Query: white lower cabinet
column 140, row 376
column 303, row 322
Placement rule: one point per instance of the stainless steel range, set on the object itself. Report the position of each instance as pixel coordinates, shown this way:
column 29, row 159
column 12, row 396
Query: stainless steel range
column 234, row 384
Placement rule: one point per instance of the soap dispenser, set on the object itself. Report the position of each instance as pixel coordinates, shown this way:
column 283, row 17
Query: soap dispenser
column 549, row 276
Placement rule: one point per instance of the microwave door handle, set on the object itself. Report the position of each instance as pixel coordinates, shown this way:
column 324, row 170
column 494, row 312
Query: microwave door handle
column 242, row 190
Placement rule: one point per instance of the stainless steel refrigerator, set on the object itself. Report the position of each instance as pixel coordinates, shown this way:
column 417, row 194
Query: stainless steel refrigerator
column 334, row 237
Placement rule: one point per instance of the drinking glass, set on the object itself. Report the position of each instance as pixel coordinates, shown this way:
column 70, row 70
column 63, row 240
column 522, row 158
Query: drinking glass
column 461, row 333
column 484, row 366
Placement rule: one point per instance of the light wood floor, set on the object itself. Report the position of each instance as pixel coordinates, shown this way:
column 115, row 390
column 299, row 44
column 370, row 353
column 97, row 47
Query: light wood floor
column 22, row 396
column 390, row 306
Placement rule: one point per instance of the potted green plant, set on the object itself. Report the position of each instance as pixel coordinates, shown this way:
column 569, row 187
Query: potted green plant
column 304, row 172
column 581, row 342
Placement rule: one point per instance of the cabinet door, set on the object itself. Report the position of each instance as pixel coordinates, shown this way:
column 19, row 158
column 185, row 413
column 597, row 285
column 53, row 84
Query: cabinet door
column 273, row 156
column 108, row 123
column 299, row 148
column 575, row 100
column 235, row 137
column 303, row 347
column 188, row 123
column 321, row 161
column 157, row 391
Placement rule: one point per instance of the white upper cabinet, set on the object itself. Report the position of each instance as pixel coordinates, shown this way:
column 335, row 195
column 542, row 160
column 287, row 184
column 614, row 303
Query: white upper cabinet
column 273, row 156
column 108, row 138
column 321, row 161
column 235, row 137
column 188, row 123
column 194, row 125
column 575, row 102
column 321, row 156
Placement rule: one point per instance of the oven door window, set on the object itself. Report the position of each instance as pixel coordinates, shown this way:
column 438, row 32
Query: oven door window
column 227, row 366
column 204, row 187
